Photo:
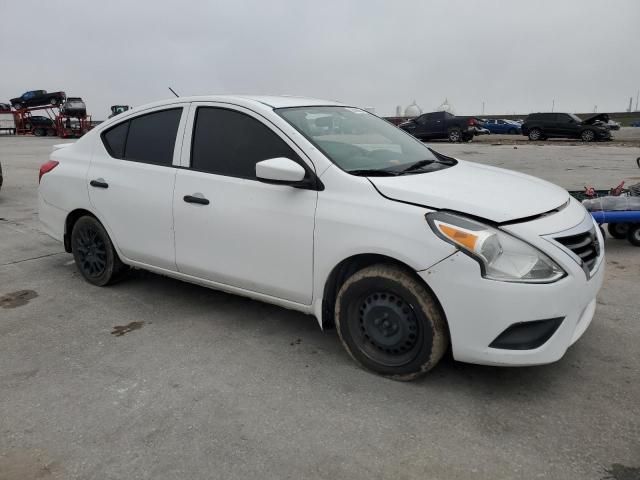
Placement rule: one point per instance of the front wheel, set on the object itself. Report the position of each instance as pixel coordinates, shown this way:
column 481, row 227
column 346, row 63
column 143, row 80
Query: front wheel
column 94, row 254
column 588, row 135
column 389, row 322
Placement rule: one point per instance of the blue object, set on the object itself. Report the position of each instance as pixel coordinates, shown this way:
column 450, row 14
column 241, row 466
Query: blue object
column 502, row 126
column 622, row 216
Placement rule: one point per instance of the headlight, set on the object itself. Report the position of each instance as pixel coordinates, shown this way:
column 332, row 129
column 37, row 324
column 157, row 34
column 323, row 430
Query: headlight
column 501, row 256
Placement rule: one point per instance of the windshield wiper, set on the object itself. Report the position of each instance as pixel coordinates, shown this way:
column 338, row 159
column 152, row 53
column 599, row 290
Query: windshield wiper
column 417, row 165
column 372, row 172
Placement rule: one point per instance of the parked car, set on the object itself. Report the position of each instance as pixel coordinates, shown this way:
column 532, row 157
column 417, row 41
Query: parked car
column 481, row 130
column 404, row 250
column 35, row 121
column 440, row 125
column 502, row 126
column 635, row 123
column 74, row 107
column 118, row 109
column 36, row 98
column 5, row 107
column 540, row 126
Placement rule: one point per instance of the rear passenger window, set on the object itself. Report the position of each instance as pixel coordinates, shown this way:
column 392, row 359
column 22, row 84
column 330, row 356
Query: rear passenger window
column 114, row 139
column 230, row 143
column 149, row 138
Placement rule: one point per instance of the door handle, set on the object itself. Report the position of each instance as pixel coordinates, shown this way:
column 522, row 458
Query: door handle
column 99, row 183
column 196, row 199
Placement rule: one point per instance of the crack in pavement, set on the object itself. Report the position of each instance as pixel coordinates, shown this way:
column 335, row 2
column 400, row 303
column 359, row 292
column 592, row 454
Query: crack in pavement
column 32, row 258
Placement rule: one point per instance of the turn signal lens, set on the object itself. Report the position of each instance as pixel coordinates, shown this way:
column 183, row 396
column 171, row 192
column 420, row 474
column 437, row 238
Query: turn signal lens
column 501, row 256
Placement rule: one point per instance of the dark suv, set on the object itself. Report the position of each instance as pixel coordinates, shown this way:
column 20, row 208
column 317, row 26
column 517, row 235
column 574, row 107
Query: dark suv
column 539, row 126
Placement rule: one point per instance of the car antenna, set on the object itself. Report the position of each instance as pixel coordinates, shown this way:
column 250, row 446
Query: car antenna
column 172, row 91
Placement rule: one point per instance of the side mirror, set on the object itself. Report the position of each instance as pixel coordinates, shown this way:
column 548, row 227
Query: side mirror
column 280, row 170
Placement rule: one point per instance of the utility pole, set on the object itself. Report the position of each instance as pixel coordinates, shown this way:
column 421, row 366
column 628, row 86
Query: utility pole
column 553, row 104
column 483, row 108
column 637, row 95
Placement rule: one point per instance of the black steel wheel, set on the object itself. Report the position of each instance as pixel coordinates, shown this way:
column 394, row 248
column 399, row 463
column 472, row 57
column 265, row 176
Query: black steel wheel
column 633, row 235
column 93, row 252
column 618, row 230
column 535, row 134
column 390, row 323
column 588, row 135
column 39, row 132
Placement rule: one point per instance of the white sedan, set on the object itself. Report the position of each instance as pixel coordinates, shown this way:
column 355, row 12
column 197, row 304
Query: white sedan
column 329, row 210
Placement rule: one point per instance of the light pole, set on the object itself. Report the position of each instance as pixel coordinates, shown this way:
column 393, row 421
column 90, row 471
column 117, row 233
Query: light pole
column 553, row 104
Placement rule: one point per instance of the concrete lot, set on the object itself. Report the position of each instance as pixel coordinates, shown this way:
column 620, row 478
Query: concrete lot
column 216, row 386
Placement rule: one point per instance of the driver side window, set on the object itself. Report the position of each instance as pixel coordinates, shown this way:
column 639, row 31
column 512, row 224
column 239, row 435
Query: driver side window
column 228, row 142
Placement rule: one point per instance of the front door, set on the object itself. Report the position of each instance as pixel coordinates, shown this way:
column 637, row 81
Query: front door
column 131, row 181
column 229, row 227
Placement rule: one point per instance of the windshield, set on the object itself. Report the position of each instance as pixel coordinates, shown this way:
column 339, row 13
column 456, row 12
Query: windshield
column 576, row 118
column 361, row 143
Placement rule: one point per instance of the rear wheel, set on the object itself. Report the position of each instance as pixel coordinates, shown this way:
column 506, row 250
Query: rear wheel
column 51, row 132
column 455, row 135
column 535, row 134
column 39, row 132
column 588, row 135
column 633, row 235
column 618, row 230
column 389, row 322
column 94, row 254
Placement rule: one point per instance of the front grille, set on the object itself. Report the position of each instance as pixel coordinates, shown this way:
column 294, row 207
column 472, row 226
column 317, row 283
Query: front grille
column 585, row 245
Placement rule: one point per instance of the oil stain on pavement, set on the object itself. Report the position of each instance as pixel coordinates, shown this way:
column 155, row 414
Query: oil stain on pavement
column 17, row 299
column 120, row 330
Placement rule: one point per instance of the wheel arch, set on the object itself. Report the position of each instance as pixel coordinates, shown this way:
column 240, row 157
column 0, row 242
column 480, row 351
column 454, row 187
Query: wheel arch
column 350, row 265
column 71, row 220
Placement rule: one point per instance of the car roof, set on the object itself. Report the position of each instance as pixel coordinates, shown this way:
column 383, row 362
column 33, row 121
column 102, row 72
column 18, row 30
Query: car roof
column 274, row 101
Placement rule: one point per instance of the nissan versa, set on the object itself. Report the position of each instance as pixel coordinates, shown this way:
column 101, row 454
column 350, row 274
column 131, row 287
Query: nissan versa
column 326, row 209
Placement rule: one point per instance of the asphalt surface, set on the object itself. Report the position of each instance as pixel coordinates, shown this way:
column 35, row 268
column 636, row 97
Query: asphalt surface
column 158, row 379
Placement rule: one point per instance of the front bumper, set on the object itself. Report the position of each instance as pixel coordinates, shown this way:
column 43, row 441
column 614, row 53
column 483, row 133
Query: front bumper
column 478, row 310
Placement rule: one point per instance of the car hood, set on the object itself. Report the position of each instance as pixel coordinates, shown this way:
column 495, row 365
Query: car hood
column 488, row 192
column 602, row 117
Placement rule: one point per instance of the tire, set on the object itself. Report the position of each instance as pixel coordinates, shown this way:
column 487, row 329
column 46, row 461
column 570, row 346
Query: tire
column 588, row 135
column 390, row 323
column 94, row 254
column 455, row 135
column 39, row 132
column 17, row 106
column 53, row 101
column 27, row 126
column 51, row 132
column 535, row 134
column 633, row 235
column 618, row 230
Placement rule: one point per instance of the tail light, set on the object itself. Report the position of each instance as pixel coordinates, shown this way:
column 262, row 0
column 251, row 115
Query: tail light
column 472, row 122
column 46, row 168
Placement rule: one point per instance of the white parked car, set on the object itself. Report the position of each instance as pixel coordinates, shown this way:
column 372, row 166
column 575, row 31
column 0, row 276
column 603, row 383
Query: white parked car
column 327, row 209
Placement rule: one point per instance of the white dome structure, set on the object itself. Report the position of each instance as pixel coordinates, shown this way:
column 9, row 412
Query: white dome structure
column 445, row 107
column 412, row 110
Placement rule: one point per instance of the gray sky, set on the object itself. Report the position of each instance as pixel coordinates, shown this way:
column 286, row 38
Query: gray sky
column 516, row 56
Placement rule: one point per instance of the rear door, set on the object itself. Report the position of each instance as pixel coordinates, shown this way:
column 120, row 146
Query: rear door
column 131, row 181
column 231, row 228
